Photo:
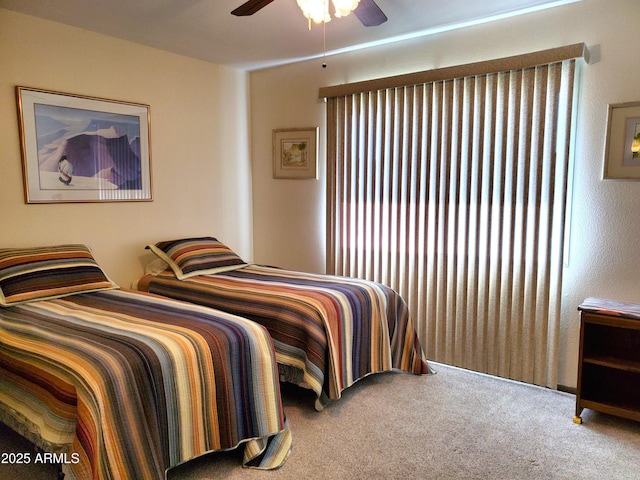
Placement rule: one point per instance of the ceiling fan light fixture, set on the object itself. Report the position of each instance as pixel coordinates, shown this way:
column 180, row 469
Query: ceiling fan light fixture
column 344, row 7
column 316, row 10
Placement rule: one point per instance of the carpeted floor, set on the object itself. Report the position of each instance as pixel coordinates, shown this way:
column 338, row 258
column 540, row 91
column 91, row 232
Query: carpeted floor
column 453, row 425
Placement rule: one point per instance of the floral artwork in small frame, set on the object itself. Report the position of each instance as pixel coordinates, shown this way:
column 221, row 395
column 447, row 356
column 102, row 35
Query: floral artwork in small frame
column 295, row 152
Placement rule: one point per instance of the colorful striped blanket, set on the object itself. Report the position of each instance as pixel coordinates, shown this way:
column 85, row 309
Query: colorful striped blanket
column 332, row 330
column 129, row 385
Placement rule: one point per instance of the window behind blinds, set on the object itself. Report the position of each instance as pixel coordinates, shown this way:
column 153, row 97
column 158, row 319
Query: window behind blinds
column 453, row 191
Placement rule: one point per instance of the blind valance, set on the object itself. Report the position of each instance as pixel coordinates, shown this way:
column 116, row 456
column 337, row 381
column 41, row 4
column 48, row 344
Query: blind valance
column 517, row 62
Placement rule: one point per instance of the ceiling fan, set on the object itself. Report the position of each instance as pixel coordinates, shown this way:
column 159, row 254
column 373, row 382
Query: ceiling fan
column 367, row 11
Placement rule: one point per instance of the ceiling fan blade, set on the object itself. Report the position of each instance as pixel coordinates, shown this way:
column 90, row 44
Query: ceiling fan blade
column 250, row 7
column 369, row 13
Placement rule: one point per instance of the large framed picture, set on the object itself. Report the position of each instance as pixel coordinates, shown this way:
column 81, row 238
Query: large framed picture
column 83, row 149
column 622, row 150
column 295, row 153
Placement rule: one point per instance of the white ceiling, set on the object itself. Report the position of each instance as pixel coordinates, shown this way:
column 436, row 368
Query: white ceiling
column 277, row 34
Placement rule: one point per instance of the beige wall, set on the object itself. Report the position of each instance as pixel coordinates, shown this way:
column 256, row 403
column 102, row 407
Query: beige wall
column 199, row 144
column 604, row 256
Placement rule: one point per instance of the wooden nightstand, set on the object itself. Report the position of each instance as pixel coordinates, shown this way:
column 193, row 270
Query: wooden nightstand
column 609, row 361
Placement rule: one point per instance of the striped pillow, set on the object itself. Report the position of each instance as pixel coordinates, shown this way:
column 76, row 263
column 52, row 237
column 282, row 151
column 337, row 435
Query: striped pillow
column 188, row 257
column 29, row 274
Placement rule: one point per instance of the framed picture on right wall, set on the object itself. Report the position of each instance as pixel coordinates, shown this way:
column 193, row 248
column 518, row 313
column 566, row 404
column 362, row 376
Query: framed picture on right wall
column 622, row 149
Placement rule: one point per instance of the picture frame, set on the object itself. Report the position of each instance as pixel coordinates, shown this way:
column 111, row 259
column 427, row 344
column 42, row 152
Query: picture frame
column 622, row 149
column 295, row 153
column 78, row 148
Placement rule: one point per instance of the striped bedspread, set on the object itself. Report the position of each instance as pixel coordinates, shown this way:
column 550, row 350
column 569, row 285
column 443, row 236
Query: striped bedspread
column 332, row 330
column 129, row 385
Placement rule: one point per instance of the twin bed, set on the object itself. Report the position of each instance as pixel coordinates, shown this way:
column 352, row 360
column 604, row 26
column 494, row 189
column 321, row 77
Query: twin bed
column 134, row 383
column 328, row 331
column 126, row 384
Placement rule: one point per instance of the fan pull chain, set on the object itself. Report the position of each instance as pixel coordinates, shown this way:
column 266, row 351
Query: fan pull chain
column 324, row 44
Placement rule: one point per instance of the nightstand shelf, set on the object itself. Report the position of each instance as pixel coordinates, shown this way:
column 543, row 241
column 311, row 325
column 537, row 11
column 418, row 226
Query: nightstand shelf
column 614, row 362
column 609, row 361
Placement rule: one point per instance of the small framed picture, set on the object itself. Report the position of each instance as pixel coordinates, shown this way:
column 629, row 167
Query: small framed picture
column 622, row 150
column 295, row 153
column 83, row 149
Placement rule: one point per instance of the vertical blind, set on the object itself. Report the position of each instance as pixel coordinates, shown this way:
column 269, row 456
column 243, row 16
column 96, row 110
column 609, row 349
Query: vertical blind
column 453, row 191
